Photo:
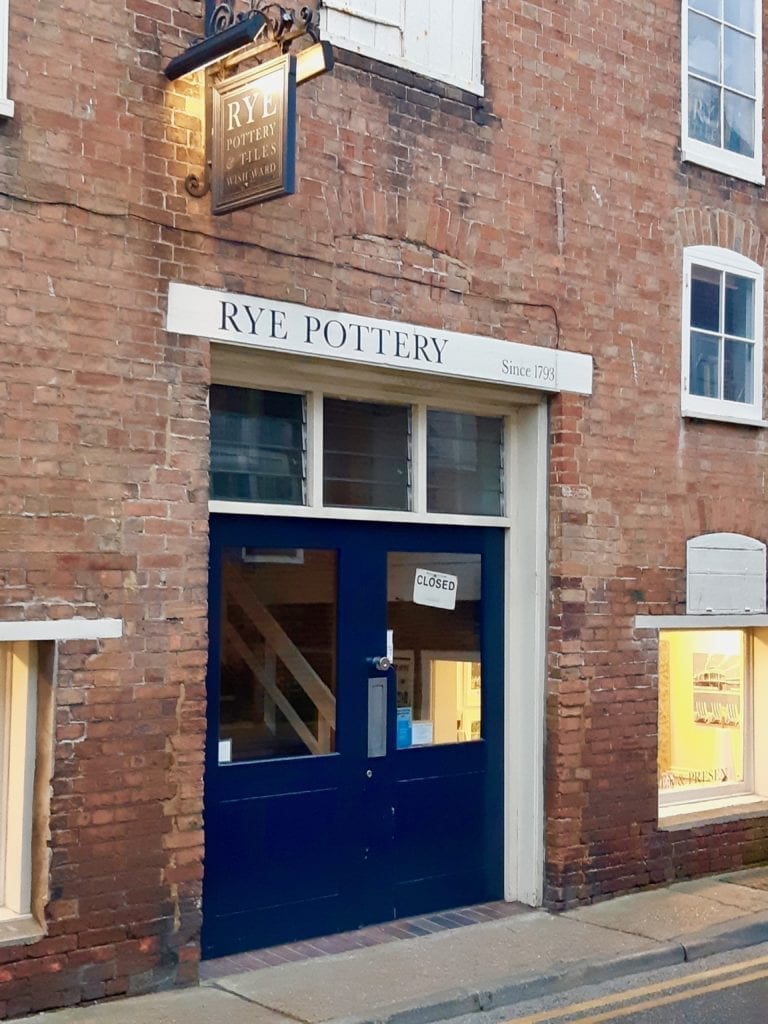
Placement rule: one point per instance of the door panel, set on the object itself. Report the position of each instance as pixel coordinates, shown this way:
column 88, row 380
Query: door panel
column 305, row 832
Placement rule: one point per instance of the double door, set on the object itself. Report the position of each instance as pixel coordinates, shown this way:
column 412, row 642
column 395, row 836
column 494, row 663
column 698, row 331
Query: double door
column 354, row 754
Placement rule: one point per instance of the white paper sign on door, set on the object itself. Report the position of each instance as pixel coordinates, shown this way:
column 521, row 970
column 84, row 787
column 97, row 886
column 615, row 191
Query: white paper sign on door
column 436, row 589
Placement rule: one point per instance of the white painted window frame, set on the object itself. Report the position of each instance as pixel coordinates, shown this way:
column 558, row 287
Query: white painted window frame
column 6, row 104
column 698, row 406
column 18, row 703
column 19, row 749
column 416, row 22
column 718, row 158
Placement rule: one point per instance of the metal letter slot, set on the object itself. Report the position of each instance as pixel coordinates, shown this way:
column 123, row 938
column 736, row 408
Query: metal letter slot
column 377, row 717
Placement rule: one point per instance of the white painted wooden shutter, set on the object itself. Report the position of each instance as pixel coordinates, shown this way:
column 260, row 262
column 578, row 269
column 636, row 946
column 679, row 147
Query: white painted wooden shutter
column 439, row 39
column 444, row 38
column 370, row 26
column 726, row 575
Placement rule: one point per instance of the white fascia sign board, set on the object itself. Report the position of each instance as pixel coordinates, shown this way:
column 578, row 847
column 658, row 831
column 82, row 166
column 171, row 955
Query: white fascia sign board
column 301, row 330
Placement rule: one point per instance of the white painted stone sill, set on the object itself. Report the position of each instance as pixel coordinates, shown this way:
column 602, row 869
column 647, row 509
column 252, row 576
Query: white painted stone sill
column 19, row 929
column 722, row 417
column 61, row 629
column 676, row 817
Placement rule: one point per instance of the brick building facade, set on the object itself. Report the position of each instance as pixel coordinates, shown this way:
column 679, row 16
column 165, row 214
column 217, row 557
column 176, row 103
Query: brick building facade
column 542, row 194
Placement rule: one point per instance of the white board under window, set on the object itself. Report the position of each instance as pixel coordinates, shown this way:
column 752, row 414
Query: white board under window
column 726, row 575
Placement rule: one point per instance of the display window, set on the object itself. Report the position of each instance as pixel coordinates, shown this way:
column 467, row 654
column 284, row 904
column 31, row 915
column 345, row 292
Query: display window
column 705, row 691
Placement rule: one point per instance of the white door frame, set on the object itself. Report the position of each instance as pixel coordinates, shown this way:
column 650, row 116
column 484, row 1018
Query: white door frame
column 525, row 571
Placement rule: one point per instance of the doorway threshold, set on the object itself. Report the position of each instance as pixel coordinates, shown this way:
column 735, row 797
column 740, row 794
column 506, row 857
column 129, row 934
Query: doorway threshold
column 374, row 935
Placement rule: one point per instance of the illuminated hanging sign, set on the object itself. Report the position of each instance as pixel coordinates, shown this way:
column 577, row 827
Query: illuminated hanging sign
column 254, row 136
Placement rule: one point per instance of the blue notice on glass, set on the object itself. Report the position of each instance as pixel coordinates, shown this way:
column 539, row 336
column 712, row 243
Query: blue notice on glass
column 404, row 727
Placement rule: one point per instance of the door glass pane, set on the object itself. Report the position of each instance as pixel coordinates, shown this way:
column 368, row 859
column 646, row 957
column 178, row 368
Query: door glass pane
column 258, row 446
column 366, row 455
column 278, row 653
column 702, row 680
column 703, row 111
column 464, row 463
column 704, row 365
column 434, row 608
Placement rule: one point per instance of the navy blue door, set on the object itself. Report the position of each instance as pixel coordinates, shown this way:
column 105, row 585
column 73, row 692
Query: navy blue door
column 339, row 791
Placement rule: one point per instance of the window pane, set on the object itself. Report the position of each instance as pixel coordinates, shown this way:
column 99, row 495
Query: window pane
column 704, row 47
column 366, row 455
column 739, row 374
column 705, row 298
column 437, row 659
column 739, row 306
column 713, row 7
column 703, row 111
column 464, row 463
column 701, row 709
column 741, row 13
column 704, row 365
column 278, row 654
column 739, row 124
column 739, row 60
column 257, row 445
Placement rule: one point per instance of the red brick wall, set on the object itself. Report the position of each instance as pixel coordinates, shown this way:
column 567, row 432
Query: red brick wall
column 555, row 214
column 103, row 502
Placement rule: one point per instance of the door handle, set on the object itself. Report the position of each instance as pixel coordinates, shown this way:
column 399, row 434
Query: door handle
column 380, row 664
column 377, row 716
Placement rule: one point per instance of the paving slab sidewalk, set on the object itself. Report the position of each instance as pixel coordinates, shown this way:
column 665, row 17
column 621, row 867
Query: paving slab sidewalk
column 446, row 974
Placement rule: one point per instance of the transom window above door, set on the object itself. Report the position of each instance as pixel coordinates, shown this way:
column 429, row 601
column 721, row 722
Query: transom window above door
column 319, row 451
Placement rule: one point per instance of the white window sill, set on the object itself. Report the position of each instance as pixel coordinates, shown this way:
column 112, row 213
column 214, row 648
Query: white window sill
column 724, row 417
column 61, row 629
column 19, row 929
column 711, row 620
column 711, row 812
column 6, row 107
column 724, row 162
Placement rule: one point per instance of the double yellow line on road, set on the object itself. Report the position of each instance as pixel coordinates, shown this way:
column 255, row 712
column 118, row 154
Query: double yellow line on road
column 648, row 997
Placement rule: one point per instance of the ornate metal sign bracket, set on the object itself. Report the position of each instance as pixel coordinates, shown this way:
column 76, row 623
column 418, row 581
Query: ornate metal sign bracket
column 259, row 27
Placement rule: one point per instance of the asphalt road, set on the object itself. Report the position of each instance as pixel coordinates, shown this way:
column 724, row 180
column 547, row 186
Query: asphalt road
column 727, row 989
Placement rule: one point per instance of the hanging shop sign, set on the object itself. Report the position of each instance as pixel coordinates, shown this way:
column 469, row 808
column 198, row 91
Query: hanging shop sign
column 302, row 330
column 254, row 136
